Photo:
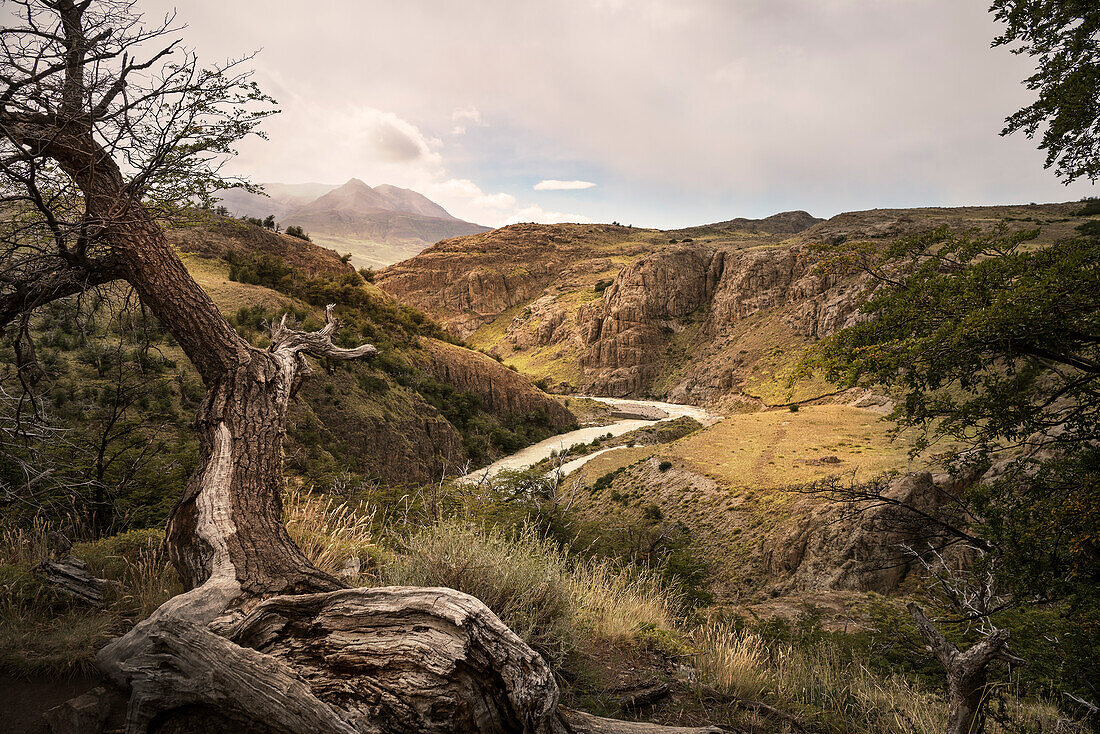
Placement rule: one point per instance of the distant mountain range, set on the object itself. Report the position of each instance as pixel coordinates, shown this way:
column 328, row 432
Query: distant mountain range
column 378, row 226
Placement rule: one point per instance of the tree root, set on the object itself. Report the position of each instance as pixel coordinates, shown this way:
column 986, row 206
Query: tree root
column 379, row 661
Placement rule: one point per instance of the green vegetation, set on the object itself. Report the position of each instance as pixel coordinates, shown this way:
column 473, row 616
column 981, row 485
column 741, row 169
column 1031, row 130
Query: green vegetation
column 994, row 345
column 1061, row 35
column 295, row 231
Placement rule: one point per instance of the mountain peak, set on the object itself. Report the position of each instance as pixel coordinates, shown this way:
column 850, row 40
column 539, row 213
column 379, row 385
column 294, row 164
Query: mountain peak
column 356, row 183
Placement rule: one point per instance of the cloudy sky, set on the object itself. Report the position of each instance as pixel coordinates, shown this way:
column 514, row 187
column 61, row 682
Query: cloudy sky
column 651, row 112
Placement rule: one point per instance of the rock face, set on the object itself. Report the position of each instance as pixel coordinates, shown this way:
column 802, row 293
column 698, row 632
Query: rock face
column 469, row 281
column 627, row 335
column 702, row 315
column 832, row 549
column 502, row 391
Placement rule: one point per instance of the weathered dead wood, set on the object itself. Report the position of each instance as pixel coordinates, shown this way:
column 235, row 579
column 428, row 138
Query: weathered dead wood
column 758, row 707
column 646, row 694
column 966, row 672
column 408, row 659
column 85, row 713
column 184, row 667
column 578, row 722
column 387, row 660
column 71, row 576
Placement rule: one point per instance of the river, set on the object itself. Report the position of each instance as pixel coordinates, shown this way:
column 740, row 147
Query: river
column 535, row 453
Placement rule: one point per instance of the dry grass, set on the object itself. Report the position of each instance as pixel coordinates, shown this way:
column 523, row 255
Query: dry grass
column 43, row 632
column 814, row 684
column 775, row 448
column 613, row 604
column 330, row 533
column 521, row 577
column 835, row 694
column 213, row 276
column 20, row 545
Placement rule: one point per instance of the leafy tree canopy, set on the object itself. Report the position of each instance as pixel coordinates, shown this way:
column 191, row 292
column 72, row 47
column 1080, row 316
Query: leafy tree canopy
column 992, row 346
column 1064, row 38
column 993, row 342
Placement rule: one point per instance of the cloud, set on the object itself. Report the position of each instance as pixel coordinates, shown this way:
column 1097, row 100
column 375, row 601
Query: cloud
column 312, row 142
column 690, row 110
column 464, row 116
column 398, row 141
column 536, row 213
column 465, row 199
column 551, row 184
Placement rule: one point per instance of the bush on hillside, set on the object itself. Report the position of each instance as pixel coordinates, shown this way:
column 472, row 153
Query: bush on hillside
column 295, row 231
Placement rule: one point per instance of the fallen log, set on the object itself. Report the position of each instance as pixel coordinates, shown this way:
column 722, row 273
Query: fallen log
column 758, row 707
column 644, row 695
column 391, row 660
column 71, row 576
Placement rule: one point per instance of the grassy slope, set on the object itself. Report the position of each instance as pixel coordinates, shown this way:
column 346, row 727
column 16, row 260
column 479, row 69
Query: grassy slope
column 727, row 482
column 381, row 419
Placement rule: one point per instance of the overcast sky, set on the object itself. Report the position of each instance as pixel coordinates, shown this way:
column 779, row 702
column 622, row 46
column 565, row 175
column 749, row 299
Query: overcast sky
column 651, row 112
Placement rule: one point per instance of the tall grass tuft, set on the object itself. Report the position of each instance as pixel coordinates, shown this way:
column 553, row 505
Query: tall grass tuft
column 521, row 577
column 614, row 604
column 837, row 694
column 814, row 682
column 24, row 545
column 330, row 532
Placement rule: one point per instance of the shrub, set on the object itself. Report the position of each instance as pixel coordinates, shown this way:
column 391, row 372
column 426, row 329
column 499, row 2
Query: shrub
column 664, row 466
column 368, row 274
column 606, row 480
column 1089, row 229
column 1091, row 206
column 295, row 231
column 793, row 407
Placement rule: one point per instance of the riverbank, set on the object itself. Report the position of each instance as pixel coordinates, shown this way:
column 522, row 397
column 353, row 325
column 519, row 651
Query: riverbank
column 629, row 415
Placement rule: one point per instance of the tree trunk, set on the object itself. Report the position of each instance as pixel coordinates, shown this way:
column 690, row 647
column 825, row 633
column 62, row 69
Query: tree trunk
column 966, row 673
column 263, row 641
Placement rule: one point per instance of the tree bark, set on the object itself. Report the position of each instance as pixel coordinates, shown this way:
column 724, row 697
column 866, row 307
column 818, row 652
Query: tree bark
column 262, row 641
column 966, row 673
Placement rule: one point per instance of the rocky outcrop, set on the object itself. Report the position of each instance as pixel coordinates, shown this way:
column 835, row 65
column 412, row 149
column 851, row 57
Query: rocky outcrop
column 469, row 281
column 502, row 391
column 691, row 315
column 625, row 337
column 834, row 548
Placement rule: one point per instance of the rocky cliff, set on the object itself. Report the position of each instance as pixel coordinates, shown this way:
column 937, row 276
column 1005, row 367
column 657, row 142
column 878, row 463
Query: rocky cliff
column 712, row 313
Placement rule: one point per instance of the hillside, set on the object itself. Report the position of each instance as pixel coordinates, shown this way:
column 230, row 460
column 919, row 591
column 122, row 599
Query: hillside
column 378, row 226
column 422, row 407
column 733, row 484
column 281, row 199
column 714, row 314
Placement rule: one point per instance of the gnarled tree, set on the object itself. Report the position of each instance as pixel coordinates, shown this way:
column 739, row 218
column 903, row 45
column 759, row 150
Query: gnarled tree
column 100, row 142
